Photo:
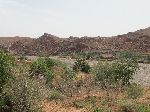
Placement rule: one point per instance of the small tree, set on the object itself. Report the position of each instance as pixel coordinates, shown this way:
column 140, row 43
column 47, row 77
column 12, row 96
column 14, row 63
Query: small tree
column 81, row 65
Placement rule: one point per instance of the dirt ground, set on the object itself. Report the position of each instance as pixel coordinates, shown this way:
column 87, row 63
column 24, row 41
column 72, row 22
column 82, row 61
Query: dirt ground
column 60, row 106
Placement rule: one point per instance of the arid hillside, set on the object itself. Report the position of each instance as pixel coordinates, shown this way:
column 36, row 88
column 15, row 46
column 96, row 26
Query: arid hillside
column 138, row 41
column 7, row 42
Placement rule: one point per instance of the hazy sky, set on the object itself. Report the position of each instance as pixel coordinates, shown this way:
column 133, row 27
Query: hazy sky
column 66, row 18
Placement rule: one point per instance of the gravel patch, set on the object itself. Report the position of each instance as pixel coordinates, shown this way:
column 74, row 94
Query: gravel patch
column 142, row 76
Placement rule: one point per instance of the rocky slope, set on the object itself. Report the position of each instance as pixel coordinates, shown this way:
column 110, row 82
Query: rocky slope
column 138, row 41
column 6, row 43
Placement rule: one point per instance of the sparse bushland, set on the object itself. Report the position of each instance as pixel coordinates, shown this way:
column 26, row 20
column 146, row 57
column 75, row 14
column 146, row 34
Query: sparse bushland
column 134, row 91
column 7, row 63
column 104, row 88
column 148, row 58
column 97, row 110
column 114, row 76
column 55, row 95
column 40, row 68
column 64, row 81
column 19, row 92
column 44, row 67
column 135, row 108
column 127, row 55
column 24, row 94
column 132, row 56
column 56, row 74
column 6, row 68
column 86, row 55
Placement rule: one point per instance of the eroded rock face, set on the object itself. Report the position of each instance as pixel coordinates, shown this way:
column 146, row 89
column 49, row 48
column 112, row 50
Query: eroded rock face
column 49, row 44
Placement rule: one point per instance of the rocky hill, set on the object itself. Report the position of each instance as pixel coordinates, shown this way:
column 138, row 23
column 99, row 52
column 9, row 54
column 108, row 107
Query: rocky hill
column 138, row 41
column 7, row 42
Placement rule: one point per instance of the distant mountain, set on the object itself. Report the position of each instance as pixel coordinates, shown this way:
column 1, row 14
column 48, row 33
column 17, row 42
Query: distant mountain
column 138, row 41
column 7, row 42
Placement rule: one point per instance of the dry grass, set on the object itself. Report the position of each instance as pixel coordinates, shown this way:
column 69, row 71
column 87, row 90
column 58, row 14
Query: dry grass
column 98, row 96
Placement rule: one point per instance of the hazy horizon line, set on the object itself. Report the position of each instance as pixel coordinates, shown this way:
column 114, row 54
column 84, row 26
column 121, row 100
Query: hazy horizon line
column 29, row 36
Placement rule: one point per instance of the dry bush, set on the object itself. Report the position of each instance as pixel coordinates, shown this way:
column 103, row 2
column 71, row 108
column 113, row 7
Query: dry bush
column 134, row 91
column 24, row 93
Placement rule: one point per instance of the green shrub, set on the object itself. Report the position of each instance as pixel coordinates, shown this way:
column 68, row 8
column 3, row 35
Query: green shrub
column 41, row 68
column 68, row 75
column 91, row 99
column 143, row 108
column 128, row 55
column 134, row 91
column 97, row 110
column 79, row 104
column 49, row 76
column 52, row 62
column 22, row 58
column 5, row 104
column 115, row 73
column 6, row 65
column 81, row 65
column 104, row 102
column 135, row 108
column 55, row 95
column 102, row 110
column 24, row 94
column 148, row 58
column 128, row 108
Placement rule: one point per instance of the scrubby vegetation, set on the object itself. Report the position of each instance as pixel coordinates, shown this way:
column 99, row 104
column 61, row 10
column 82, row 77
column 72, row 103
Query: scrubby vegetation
column 148, row 58
column 134, row 91
column 6, row 65
column 81, row 65
column 105, row 87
